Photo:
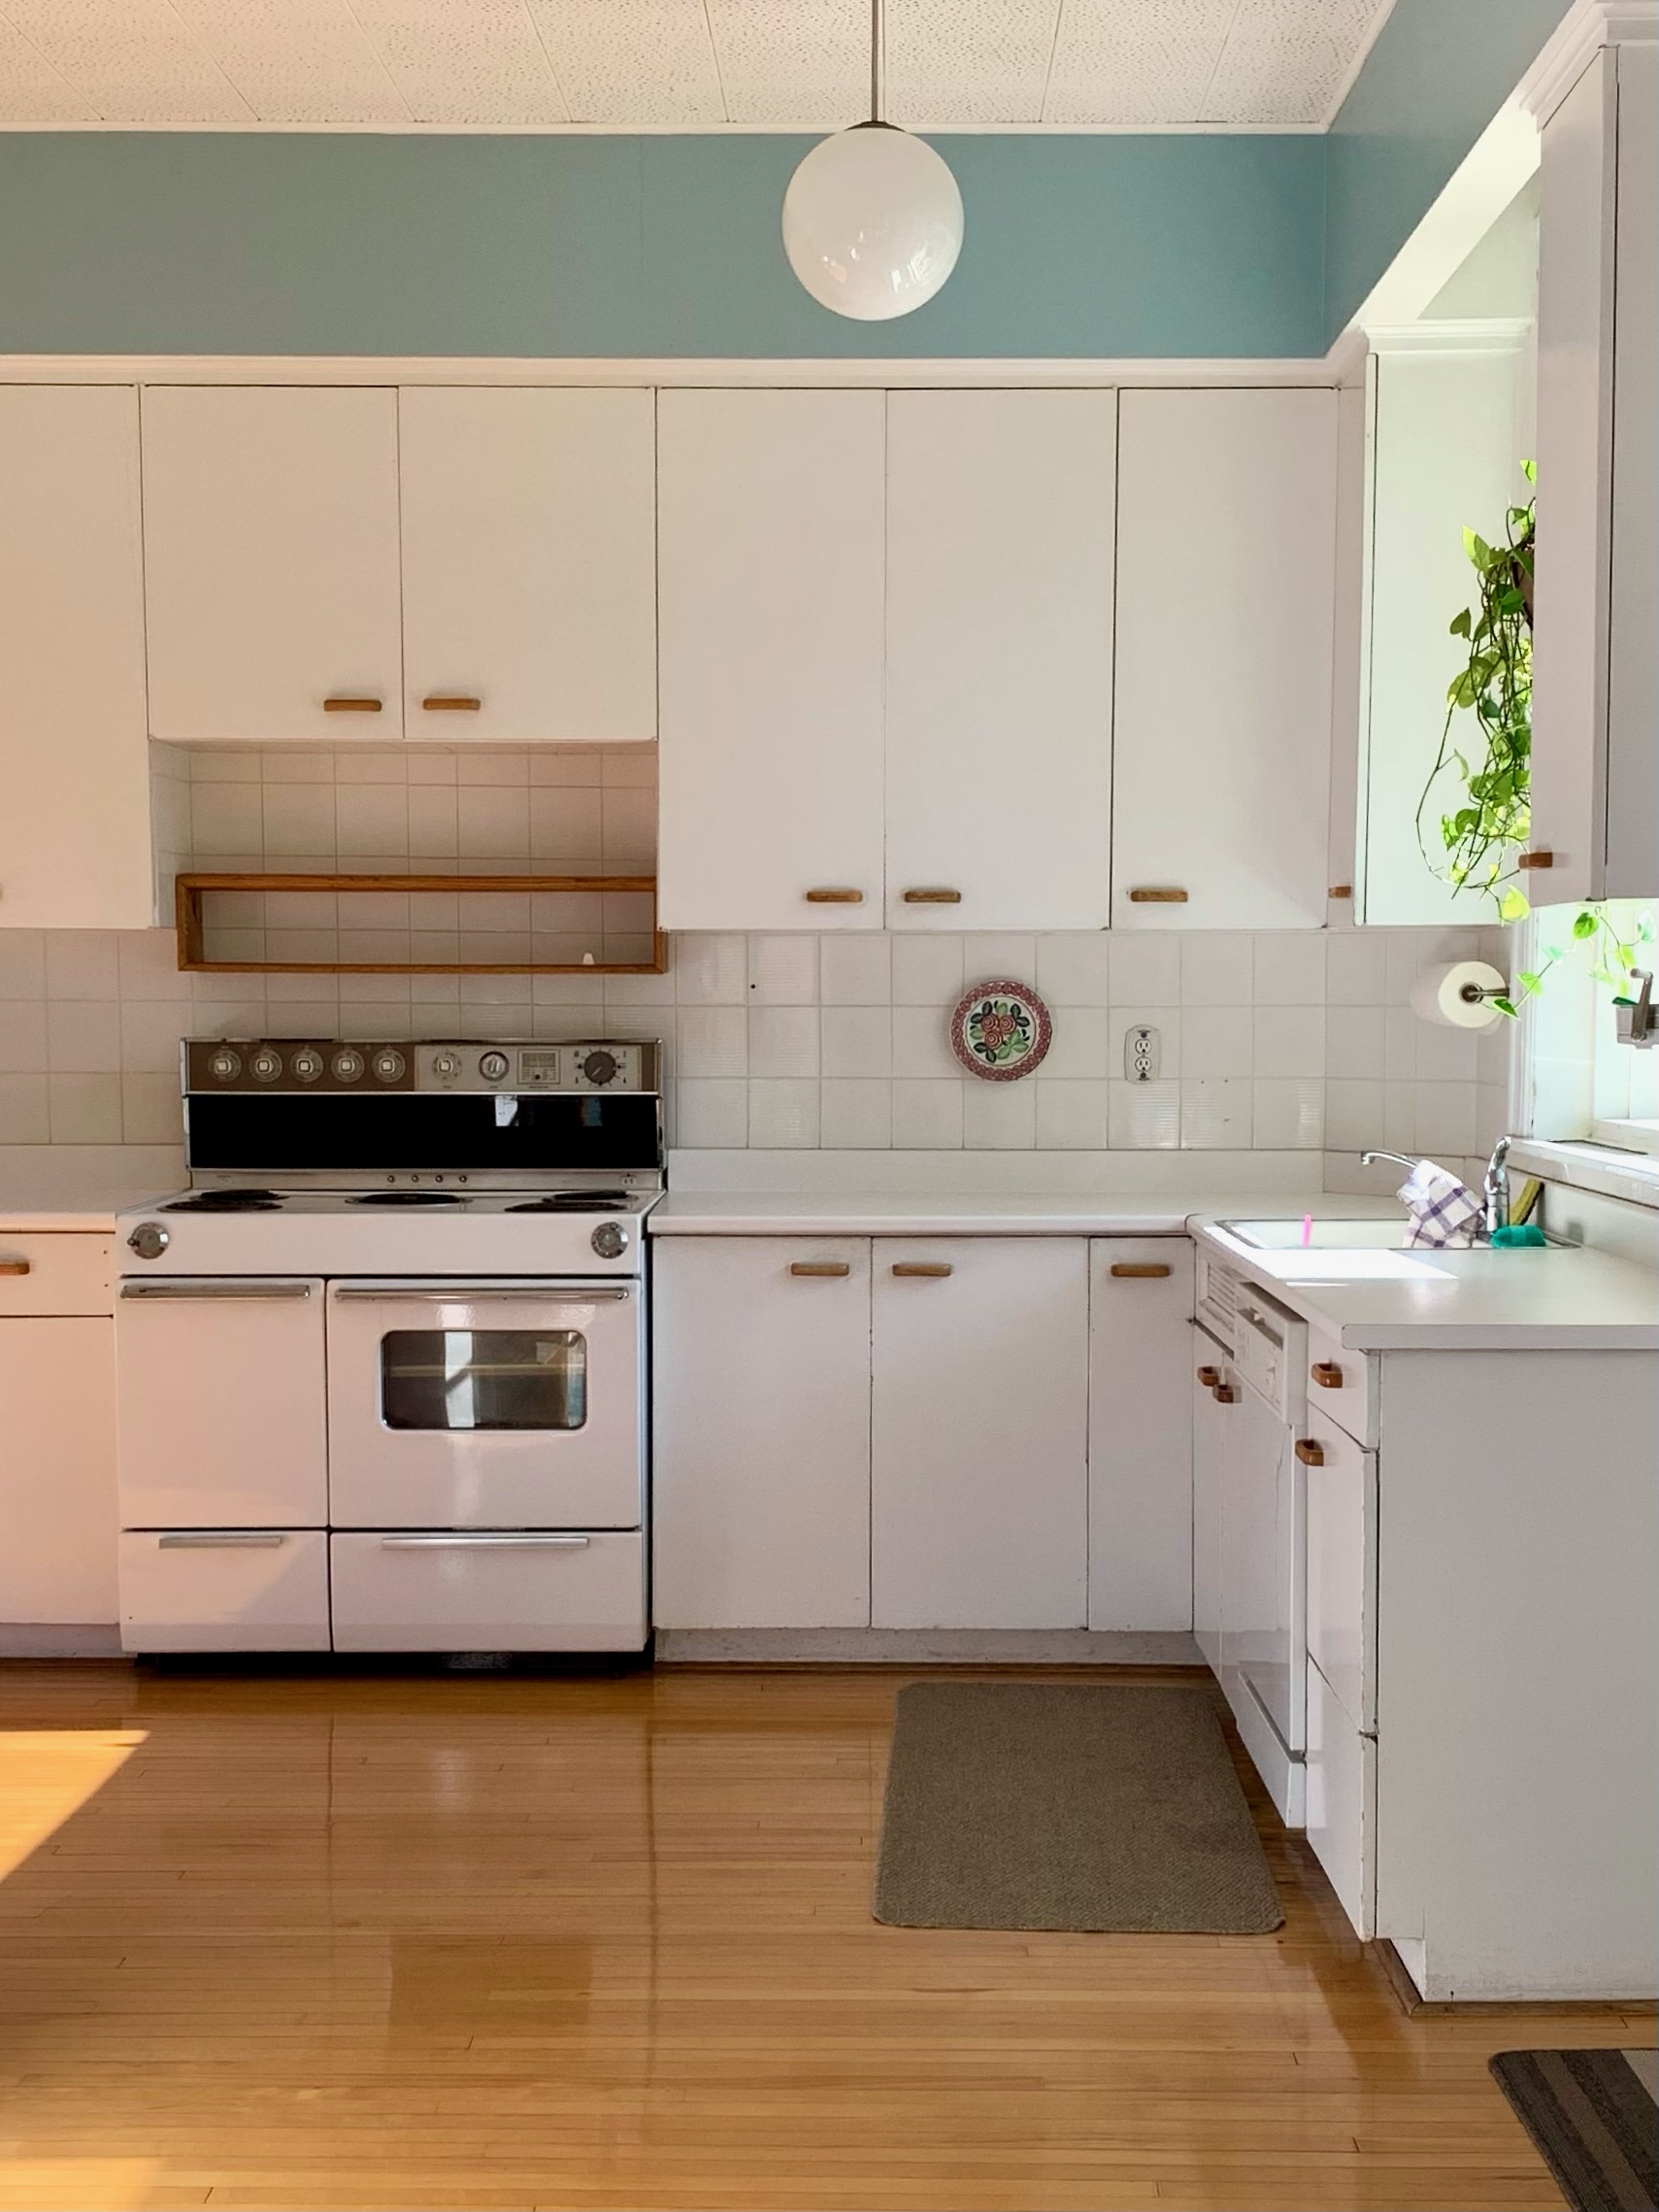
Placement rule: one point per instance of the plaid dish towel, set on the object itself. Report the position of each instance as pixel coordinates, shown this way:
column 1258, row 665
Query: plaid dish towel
column 1444, row 1213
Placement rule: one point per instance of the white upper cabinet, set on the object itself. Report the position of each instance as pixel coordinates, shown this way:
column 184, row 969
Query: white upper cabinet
column 770, row 527
column 75, row 839
column 271, row 552
column 529, row 585
column 999, row 658
column 1226, row 550
column 1595, row 791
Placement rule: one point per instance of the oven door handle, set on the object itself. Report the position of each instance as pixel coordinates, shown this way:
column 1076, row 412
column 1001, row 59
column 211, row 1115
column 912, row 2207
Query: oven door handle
column 463, row 1294
column 507, row 1540
column 216, row 1287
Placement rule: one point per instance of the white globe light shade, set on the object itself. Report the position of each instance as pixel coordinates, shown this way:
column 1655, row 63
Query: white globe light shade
column 873, row 223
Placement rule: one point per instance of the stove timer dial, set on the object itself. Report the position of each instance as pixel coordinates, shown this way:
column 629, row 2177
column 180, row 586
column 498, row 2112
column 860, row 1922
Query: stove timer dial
column 601, row 1067
column 492, row 1066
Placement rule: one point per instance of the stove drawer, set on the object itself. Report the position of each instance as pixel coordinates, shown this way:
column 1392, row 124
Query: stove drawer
column 225, row 1590
column 451, row 1590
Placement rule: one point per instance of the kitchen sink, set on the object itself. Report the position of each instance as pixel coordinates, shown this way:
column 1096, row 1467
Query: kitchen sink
column 1323, row 1236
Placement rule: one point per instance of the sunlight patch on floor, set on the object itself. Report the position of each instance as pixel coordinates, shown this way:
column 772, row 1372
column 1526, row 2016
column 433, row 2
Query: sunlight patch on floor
column 47, row 1774
column 78, row 2185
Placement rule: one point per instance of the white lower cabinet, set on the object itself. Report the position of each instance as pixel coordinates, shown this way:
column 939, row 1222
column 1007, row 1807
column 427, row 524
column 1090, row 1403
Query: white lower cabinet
column 980, row 1433
column 225, row 1590
column 521, row 1591
column 761, row 1506
column 57, row 1467
column 1139, row 1433
column 1342, row 1801
column 1209, row 1431
column 1342, row 1568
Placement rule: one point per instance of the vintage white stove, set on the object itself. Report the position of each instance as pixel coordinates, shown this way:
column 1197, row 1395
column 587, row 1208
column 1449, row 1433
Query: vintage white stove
column 381, row 1368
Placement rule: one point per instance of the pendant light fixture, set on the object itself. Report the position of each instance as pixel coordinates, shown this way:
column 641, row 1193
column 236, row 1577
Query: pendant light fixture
column 872, row 219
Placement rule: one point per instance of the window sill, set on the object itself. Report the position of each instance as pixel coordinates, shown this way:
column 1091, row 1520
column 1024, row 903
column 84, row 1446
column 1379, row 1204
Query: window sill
column 1632, row 1176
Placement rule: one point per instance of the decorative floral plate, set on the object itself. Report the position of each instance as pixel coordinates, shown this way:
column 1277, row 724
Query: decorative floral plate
column 1000, row 1030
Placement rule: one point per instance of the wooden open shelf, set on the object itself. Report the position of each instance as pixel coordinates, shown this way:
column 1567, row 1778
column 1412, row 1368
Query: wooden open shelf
column 191, row 926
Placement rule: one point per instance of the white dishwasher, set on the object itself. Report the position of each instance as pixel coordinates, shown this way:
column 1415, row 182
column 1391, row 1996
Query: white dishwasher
column 1264, row 1542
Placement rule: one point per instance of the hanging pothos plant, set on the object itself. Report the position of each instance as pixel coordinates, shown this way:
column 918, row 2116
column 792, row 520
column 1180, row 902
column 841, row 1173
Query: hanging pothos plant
column 1483, row 838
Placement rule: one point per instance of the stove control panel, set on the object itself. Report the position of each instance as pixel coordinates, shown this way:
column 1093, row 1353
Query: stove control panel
column 329, row 1063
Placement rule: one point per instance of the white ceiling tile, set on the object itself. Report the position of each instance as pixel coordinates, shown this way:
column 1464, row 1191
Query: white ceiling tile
column 804, row 63
column 983, row 63
column 296, row 61
column 133, row 60
column 633, row 61
column 465, row 61
column 1136, row 61
column 31, row 91
column 1285, row 60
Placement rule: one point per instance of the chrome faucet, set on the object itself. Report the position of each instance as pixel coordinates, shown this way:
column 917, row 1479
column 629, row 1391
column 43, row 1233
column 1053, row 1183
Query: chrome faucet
column 1398, row 1158
column 1495, row 1190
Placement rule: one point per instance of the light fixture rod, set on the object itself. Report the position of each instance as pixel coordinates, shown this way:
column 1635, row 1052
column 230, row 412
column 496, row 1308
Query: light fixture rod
column 876, row 60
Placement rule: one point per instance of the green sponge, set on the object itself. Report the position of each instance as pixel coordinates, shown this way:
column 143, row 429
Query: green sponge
column 1521, row 1233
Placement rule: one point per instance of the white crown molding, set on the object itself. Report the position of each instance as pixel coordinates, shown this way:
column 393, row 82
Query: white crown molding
column 1577, row 38
column 1501, row 161
column 496, row 370
column 819, row 127
column 1485, row 334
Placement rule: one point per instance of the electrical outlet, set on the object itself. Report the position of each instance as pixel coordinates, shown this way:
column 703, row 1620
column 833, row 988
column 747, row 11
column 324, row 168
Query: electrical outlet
column 1142, row 1053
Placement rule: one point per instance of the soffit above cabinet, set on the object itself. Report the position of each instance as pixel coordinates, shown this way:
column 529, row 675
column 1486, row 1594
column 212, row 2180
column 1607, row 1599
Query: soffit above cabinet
column 681, row 64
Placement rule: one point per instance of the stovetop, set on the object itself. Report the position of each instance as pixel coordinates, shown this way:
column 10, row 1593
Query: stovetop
column 254, row 1198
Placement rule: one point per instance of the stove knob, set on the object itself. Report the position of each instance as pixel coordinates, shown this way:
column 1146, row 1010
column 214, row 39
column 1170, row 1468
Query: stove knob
column 149, row 1240
column 348, row 1066
column 266, row 1065
column 447, row 1065
column 610, row 1240
column 305, row 1065
column 388, row 1065
column 225, row 1066
column 493, row 1066
column 601, row 1067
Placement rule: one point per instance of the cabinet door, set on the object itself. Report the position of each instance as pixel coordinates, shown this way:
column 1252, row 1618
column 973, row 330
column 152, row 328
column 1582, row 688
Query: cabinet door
column 999, row 658
column 761, row 1393
column 1141, row 1532
column 57, row 1471
column 769, row 532
column 1341, row 1569
column 529, row 581
column 221, row 1404
column 1262, row 1571
column 980, row 1433
column 75, row 841
column 270, row 564
column 1226, row 566
column 1211, row 1426
column 1341, row 1802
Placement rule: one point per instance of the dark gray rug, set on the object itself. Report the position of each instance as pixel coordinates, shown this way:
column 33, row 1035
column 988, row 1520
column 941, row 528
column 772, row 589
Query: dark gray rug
column 1092, row 1806
column 1594, row 2116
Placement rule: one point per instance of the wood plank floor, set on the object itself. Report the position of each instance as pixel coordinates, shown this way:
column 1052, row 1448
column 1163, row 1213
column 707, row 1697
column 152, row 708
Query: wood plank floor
column 314, row 1941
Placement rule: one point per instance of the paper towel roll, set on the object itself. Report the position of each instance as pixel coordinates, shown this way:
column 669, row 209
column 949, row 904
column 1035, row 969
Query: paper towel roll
column 1451, row 996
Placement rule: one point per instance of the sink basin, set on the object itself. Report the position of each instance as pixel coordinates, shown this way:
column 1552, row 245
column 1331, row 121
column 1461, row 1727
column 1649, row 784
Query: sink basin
column 1325, row 1237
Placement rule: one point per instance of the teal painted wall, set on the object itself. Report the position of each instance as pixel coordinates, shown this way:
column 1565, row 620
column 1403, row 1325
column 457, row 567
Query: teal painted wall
column 187, row 242
column 1439, row 73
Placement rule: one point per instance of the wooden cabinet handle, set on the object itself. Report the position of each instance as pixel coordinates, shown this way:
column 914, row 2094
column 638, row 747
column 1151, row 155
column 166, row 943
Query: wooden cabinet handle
column 927, row 1267
column 1543, row 858
column 1339, row 891
column 936, row 894
column 833, row 894
column 451, row 703
column 820, row 1268
column 1157, row 895
column 1327, row 1374
column 1210, row 1376
column 1224, row 1393
column 1139, row 1270
column 15, row 1267
column 342, row 705
column 1308, row 1453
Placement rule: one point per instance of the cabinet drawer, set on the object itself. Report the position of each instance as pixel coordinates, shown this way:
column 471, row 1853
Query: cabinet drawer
column 452, row 1591
column 1342, row 1568
column 56, row 1271
column 225, row 1590
column 1341, row 1802
column 1338, row 1385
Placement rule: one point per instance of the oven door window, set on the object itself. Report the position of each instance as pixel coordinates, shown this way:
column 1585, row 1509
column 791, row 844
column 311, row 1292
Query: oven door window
column 461, row 1379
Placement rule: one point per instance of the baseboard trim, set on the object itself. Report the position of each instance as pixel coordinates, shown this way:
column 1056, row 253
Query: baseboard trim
column 1414, row 2004
column 929, row 1647
column 55, row 1639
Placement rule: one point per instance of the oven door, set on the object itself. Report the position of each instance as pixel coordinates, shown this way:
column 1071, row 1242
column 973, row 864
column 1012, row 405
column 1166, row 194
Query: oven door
column 505, row 1404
